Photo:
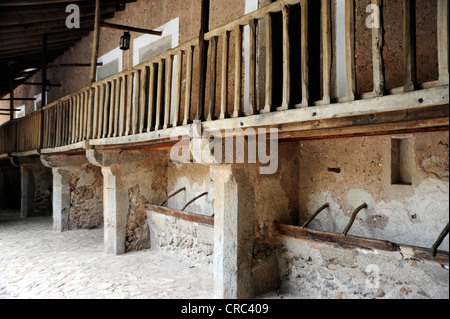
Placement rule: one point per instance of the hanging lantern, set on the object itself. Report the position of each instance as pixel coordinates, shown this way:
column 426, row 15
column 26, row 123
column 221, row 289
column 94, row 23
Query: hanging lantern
column 125, row 41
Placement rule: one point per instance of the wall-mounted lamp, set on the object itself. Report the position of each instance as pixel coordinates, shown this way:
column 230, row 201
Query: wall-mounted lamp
column 125, row 41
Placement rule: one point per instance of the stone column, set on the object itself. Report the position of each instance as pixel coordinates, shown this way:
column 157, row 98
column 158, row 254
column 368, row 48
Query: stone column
column 233, row 232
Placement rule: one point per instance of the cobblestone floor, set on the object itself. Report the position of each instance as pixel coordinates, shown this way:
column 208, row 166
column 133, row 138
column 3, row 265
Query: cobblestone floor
column 37, row 263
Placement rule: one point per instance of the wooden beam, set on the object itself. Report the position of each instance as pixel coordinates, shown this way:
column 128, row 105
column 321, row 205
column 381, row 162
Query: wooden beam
column 20, row 99
column 128, row 28
column 72, row 65
column 354, row 242
column 195, row 218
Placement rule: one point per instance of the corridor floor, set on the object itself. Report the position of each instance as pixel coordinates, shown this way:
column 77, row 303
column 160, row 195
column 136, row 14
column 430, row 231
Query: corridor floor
column 37, row 263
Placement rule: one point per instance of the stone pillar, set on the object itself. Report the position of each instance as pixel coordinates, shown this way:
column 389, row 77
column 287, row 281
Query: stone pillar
column 233, row 232
column 2, row 188
column 61, row 166
column 27, row 192
column 116, row 202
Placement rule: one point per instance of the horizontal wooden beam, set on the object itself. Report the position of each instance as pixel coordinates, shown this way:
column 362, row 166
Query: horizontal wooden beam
column 195, row 218
column 71, row 65
column 128, row 28
column 20, row 99
column 354, row 242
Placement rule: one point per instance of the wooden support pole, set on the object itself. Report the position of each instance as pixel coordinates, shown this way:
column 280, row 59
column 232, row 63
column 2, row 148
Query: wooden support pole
column 203, row 57
column 442, row 31
column 44, row 70
column 252, row 70
column 377, row 53
column 95, row 42
column 409, row 48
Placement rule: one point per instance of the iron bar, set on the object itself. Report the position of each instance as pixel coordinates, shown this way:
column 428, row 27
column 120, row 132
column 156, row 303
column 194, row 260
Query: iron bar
column 352, row 219
column 172, row 195
column 193, row 200
column 439, row 241
column 315, row 215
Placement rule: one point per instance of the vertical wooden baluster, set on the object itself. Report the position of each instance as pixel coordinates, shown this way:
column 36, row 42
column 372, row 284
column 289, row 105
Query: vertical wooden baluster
column 409, row 36
column 117, row 99
column 377, row 53
column 168, row 98
column 96, row 107
column 350, row 49
column 187, row 106
column 129, row 103
column 179, row 80
column 151, row 97
column 112, row 107
column 58, row 124
column 286, row 61
column 76, row 118
column 238, row 71
column 123, row 104
column 64, row 122
column 269, row 64
column 87, row 98
column 101, row 106
column 442, row 33
column 136, row 103
column 252, row 73
column 159, row 94
column 72, row 119
column 224, row 80
column 90, row 112
column 142, row 95
column 305, row 53
column 326, row 51
column 212, row 79
column 106, row 110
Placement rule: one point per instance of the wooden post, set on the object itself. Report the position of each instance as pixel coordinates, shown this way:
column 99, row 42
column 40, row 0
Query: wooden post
column 350, row 49
column 159, row 94
column 409, row 49
column 44, row 70
column 212, row 79
column 176, row 115
column 238, row 71
column 224, row 80
column 168, row 98
column 286, row 61
column 203, row 57
column 442, row 30
column 95, row 42
column 144, row 74
column 151, row 97
column 269, row 64
column 326, row 51
column 11, row 91
column 377, row 53
column 305, row 53
column 252, row 73
column 189, row 67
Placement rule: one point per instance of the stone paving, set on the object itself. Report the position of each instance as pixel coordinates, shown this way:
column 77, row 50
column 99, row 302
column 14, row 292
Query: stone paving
column 37, row 263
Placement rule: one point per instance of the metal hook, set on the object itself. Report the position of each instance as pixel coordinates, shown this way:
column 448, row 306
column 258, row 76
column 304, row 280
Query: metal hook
column 170, row 196
column 352, row 219
column 315, row 215
column 193, row 200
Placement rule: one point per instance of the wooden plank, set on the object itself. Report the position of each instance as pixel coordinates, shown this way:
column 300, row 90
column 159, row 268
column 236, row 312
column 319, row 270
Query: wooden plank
column 168, row 98
column 113, row 107
column 95, row 110
column 409, row 48
column 377, row 53
column 224, row 75
column 106, row 109
column 190, row 217
column 129, row 103
column 350, row 49
column 136, row 104
column 101, row 108
column 237, row 71
column 123, row 104
column 212, row 79
column 179, row 83
column 189, row 70
column 159, row 94
column 304, row 53
column 151, row 98
column 442, row 43
column 252, row 72
column 354, row 242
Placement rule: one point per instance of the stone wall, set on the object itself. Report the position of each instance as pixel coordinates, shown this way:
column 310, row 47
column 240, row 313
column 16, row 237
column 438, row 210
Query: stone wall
column 86, row 198
column 43, row 191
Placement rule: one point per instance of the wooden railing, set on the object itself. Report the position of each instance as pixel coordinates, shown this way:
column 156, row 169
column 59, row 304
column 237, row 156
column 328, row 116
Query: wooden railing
column 142, row 100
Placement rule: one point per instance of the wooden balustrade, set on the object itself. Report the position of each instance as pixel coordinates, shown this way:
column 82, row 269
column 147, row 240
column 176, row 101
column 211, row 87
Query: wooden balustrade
column 158, row 94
